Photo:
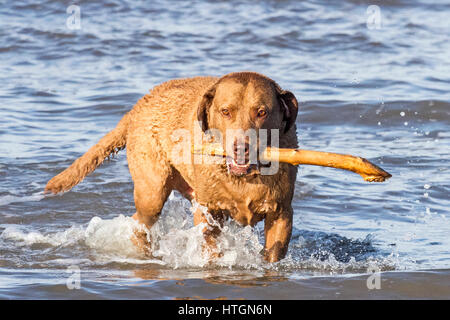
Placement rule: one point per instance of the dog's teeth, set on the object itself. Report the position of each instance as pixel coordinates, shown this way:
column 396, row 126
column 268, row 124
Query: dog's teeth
column 238, row 165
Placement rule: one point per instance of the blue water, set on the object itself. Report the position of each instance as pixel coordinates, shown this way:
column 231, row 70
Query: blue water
column 378, row 88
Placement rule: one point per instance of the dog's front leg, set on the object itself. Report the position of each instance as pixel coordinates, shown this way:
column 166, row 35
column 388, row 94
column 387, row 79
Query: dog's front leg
column 278, row 230
column 211, row 231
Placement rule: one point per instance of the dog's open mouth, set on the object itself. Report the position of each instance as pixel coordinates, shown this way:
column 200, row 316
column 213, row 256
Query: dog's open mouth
column 237, row 169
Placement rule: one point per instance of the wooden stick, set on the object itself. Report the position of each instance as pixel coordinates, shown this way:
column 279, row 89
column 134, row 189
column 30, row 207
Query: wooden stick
column 369, row 171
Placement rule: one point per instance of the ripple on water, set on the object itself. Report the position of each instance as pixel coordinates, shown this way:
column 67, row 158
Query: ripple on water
column 178, row 244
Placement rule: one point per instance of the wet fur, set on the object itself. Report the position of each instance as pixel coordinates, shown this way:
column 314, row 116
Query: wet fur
column 177, row 104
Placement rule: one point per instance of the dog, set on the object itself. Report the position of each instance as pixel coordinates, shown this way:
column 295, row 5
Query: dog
column 231, row 187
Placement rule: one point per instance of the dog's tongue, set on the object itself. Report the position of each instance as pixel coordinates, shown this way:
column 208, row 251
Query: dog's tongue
column 237, row 169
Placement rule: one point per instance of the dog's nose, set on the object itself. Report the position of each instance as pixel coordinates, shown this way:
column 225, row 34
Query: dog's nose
column 241, row 151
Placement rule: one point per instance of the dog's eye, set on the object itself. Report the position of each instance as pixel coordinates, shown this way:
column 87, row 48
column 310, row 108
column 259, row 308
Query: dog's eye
column 225, row 112
column 262, row 113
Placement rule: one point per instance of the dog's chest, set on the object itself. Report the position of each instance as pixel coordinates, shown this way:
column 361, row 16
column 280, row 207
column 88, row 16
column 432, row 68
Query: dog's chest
column 247, row 204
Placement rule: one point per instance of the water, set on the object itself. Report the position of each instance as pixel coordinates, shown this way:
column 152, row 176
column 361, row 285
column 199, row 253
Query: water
column 382, row 93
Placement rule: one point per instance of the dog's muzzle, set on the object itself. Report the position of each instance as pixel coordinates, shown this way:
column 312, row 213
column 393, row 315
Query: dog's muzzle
column 239, row 163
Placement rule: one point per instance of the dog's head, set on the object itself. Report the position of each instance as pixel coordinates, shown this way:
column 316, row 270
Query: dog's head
column 237, row 106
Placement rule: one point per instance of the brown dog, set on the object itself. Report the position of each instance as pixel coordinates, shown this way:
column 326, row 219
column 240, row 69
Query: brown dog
column 234, row 187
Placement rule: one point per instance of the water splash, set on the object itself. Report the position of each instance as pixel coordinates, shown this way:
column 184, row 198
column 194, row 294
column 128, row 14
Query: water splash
column 178, row 244
column 22, row 237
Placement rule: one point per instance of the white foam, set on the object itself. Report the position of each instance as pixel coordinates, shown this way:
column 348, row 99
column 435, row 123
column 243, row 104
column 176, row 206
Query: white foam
column 64, row 238
column 177, row 243
column 8, row 199
column 112, row 236
column 103, row 235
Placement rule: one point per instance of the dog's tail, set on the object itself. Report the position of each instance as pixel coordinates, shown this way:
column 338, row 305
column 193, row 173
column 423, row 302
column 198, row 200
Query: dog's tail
column 112, row 142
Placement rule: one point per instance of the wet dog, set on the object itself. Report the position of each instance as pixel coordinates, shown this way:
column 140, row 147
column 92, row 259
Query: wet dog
column 231, row 188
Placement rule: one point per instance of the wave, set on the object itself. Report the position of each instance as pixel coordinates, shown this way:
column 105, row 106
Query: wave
column 385, row 113
column 9, row 199
column 178, row 244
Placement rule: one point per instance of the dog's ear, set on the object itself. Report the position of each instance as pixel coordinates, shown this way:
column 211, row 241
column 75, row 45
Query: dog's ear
column 289, row 105
column 204, row 106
